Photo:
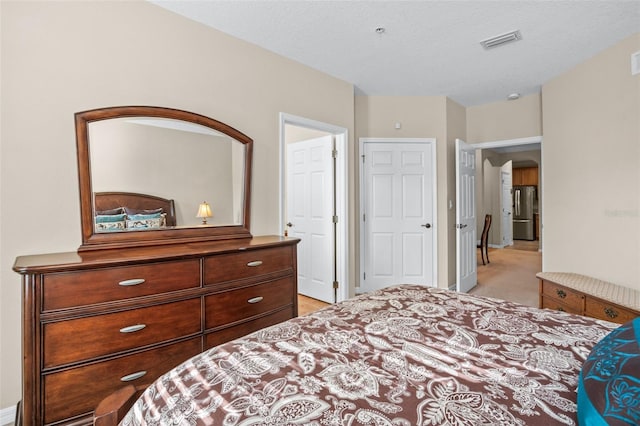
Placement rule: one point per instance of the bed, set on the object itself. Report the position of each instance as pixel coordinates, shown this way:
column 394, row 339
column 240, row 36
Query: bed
column 404, row 355
column 118, row 211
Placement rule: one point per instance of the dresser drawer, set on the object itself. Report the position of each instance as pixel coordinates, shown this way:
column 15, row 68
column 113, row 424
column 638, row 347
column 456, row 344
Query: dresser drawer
column 602, row 310
column 557, row 305
column 78, row 391
column 85, row 338
column 571, row 299
column 66, row 290
column 230, row 333
column 235, row 266
column 236, row 305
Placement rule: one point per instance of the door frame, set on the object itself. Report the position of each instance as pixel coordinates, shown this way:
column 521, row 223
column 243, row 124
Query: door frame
column 517, row 142
column 341, row 135
column 434, row 183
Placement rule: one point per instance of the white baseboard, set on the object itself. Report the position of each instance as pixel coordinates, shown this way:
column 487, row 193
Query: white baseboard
column 7, row 415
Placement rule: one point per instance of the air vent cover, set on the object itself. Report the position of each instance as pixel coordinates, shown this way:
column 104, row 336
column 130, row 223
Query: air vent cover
column 501, row 39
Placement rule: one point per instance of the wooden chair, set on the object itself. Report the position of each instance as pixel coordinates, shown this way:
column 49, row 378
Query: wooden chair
column 483, row 246
column 114, row 407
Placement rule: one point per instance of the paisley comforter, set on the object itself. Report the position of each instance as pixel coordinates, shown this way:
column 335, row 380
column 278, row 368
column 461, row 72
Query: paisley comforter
column 405, row 355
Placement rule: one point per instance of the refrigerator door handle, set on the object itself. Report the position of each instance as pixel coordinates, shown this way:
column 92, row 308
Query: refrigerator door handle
column 517, row 206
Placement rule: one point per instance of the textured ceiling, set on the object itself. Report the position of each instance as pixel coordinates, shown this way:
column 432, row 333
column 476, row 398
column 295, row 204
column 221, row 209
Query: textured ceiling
column 429, row 47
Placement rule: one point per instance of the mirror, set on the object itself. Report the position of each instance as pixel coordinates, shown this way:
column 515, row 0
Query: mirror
column 147, row 173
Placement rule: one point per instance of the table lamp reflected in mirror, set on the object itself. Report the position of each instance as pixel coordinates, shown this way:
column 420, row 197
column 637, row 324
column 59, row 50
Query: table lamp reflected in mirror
column 204, row 211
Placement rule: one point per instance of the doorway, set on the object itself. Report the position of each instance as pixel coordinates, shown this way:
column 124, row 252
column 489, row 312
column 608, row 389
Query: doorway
column 323, row 276
column 506, row 148
column 397, row 218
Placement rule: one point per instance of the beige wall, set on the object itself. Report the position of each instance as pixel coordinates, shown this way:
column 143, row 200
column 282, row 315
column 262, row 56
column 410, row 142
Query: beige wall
column 456, row 129
column 505, row 120
column 421, row 117
column 296, row 134
column 591, row 160
column 62, row 57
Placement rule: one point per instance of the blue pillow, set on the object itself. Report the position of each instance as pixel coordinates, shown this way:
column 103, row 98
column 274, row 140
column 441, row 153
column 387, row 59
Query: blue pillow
column 609, row 382
column 144, row 216
column 110, row 222
column 106, row 218
column 141, row 221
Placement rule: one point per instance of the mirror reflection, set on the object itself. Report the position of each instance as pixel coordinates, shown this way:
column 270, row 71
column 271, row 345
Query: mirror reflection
column 171, row 159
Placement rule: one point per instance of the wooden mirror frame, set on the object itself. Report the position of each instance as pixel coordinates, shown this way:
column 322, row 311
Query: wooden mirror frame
column 92, row 240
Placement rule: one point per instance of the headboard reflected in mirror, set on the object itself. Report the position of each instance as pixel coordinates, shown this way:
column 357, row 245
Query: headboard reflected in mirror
column 177, row 158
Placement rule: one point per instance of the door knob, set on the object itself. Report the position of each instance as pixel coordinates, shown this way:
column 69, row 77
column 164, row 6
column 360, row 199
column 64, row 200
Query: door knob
column 427, row 225
column 289, row 224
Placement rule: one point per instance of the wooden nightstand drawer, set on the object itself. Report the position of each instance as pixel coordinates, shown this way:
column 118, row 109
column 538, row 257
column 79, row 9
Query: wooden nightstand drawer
column 236, row 305
column 608, row 311
column 235, row 266
column 78, row 391
column 572, row 300
column 86, row 338
column 557, row 305
column 65, row 290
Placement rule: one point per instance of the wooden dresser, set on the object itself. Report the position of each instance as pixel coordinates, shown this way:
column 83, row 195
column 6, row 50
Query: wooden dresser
column 588, row 296
column 97, row 320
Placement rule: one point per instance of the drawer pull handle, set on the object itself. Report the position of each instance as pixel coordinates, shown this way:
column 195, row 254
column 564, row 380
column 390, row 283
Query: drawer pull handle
column 255, row 299
column 132, row 328
column 611, row 313
column 128, row 283
column 561, row 294
column 561, row 309
column 132, row 376
column 255, row 263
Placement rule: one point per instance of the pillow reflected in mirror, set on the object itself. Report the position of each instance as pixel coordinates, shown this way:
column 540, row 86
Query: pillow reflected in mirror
column 110, row 222
column 146, row 221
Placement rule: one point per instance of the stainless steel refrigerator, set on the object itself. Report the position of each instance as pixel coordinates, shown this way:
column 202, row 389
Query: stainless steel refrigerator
column 523, row 201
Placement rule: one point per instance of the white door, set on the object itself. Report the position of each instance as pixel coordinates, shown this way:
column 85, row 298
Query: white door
column 310, row 214
column 507, row 217
column 398, row 212
column 466, row 272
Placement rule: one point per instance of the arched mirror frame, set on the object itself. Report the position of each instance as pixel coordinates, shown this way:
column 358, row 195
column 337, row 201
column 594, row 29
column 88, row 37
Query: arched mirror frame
column 92, row 240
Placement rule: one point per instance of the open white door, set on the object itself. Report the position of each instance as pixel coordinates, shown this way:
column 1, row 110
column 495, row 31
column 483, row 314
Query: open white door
column 466, row 272
column 310, row 214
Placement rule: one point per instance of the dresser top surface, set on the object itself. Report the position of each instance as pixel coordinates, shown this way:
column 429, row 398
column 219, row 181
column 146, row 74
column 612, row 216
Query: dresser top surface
column 604, row 290
column 50, row 262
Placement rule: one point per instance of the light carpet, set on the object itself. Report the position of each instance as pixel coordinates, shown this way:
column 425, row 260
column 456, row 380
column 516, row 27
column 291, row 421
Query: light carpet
column 511, row 275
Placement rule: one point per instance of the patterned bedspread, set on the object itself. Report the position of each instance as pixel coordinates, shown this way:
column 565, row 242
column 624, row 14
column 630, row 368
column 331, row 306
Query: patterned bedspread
column 405, row 355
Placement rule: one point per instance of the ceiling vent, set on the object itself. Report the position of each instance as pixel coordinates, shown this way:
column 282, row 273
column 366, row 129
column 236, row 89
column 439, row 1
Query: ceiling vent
column 501, row 39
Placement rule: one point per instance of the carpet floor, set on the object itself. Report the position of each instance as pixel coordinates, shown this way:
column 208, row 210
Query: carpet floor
column 511, row 275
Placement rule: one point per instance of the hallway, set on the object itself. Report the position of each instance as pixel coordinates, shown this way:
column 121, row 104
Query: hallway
column 511, row 275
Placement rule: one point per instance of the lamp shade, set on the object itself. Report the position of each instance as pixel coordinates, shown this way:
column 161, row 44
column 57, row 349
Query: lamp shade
column 204, row 211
